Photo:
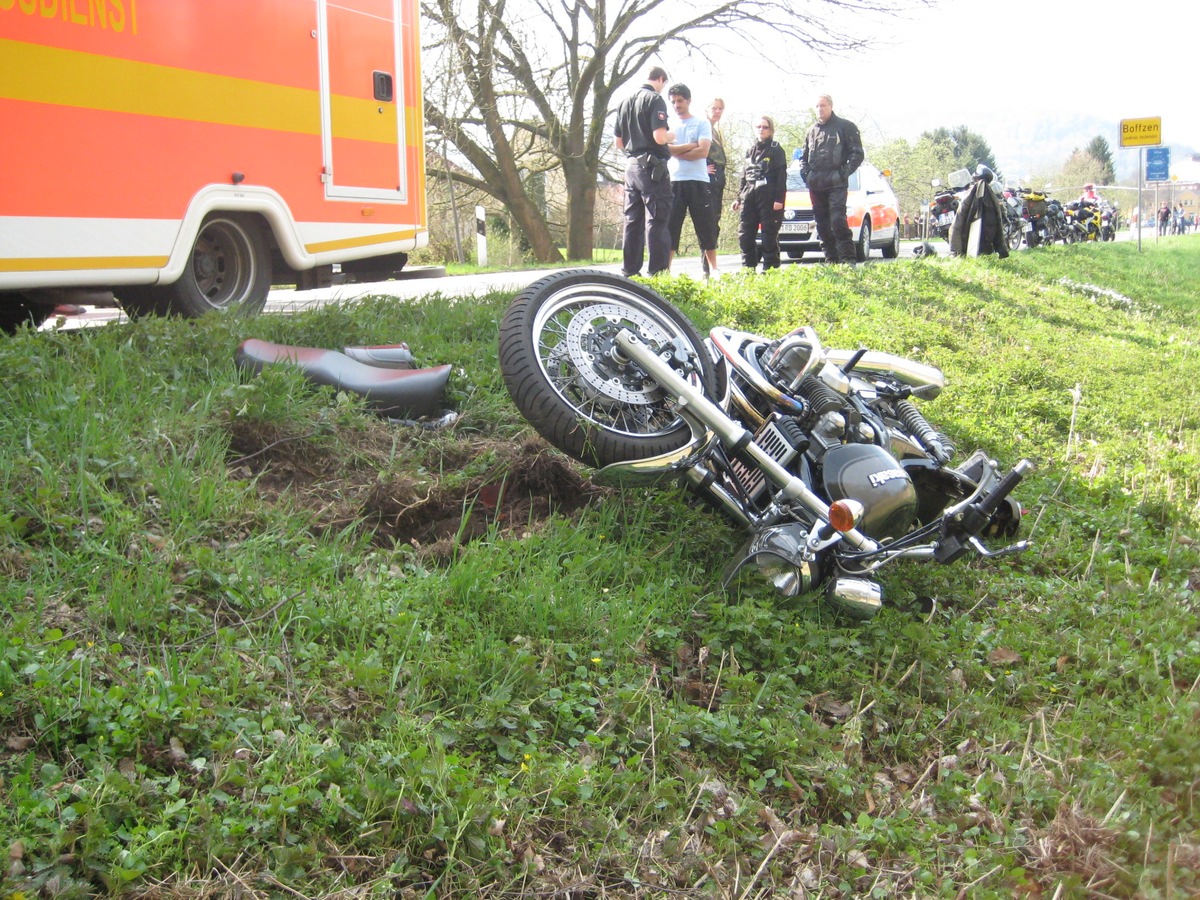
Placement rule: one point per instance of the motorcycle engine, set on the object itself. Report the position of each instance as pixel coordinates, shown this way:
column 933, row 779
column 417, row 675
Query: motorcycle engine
column 872, row 476
column 789, row 359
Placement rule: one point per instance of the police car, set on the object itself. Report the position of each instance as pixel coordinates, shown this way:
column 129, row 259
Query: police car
column 871, row 211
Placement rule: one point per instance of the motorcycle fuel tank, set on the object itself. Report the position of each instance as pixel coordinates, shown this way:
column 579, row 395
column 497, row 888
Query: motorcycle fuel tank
column 874, row 478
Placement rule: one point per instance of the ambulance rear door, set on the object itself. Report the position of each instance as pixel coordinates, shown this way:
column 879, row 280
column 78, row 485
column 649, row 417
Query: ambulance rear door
column 362, row 100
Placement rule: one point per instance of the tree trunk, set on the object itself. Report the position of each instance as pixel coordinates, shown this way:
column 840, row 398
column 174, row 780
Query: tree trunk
column 581, row 212
column 532, row 223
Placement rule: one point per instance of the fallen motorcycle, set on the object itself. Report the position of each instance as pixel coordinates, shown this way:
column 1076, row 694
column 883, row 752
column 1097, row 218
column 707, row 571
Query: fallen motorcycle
column 821, row 455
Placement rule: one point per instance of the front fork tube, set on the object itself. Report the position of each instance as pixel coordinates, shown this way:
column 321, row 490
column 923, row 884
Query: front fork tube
column 692, row 402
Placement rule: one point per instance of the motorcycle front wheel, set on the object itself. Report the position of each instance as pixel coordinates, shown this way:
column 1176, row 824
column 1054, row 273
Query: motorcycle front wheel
column 562, row 369
column 1013, row 235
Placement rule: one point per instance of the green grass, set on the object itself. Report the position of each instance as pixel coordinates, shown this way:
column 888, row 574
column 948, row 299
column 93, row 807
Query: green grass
column 232, row 660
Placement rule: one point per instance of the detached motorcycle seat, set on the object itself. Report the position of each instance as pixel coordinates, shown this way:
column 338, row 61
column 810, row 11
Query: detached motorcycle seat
column 398, row 393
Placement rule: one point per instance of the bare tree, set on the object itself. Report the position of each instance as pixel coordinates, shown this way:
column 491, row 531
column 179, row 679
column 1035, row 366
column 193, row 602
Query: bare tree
column 537, row 82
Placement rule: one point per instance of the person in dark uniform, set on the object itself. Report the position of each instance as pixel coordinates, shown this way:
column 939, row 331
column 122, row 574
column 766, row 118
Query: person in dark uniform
column 760, row 198
column 716, row 168
column 641, row 131
column 832, row 153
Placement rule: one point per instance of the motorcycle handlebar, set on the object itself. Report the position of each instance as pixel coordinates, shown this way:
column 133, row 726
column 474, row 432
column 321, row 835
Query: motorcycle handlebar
column 996, row 495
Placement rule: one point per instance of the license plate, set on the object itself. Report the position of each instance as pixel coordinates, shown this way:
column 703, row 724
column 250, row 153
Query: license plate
column 945, row 219
column 1028, row 227
column 794, row 228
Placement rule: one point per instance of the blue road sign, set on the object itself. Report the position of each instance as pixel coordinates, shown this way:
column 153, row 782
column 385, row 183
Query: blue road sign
column 1158, row 163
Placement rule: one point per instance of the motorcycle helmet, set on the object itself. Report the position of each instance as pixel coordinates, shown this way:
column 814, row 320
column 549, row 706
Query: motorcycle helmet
column 984, row 173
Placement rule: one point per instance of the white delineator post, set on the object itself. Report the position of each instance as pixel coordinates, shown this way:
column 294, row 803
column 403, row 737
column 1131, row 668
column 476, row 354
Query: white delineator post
column 480, row 237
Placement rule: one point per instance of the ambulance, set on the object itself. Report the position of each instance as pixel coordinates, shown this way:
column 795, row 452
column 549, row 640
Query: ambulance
column 187, row 154
column 872, row 212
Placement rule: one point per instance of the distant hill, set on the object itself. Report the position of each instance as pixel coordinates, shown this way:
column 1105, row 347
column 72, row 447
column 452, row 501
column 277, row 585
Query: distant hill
column 1026, row 147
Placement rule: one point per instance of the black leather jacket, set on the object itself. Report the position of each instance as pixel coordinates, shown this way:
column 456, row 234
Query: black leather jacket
column 832, row 153
column 765, row 175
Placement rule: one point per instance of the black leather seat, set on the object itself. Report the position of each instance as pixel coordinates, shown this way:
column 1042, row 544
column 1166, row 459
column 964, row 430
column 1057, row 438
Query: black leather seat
column 398, row 393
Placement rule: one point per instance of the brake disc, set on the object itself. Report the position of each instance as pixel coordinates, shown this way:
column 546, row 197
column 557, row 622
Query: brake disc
column 589, row 342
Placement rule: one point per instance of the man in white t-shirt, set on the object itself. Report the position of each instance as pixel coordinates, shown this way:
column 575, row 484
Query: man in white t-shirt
column 689, row 177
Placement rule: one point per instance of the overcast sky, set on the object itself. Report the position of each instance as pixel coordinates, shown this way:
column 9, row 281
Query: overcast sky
column 1047, row 76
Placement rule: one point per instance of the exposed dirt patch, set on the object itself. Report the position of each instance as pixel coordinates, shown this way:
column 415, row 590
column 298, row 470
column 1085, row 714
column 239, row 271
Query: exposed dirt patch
column 445, row 492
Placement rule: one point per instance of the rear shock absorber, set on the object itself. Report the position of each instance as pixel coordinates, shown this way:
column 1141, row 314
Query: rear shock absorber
column 937, row 444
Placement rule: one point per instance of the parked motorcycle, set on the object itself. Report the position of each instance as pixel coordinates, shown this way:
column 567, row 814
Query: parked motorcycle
column 944, row 206
column 1047, row 223
column 821, row 455
column 1110, row 221
column 1016, row 223
column 1083, row 220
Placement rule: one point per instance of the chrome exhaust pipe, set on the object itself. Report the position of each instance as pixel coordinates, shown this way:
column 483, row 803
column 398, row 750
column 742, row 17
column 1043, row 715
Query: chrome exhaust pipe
column 856, row 597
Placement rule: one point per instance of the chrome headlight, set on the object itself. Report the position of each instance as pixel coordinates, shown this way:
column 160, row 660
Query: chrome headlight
column 778, row 555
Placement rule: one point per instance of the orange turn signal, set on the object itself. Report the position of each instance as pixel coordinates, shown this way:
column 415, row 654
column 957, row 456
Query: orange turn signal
column 844, row 514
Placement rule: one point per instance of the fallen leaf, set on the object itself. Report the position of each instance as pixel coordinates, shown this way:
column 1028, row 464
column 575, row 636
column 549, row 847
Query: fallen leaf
column 769, row 816
column 1003, row 657
column 958, row 680
column 905, row 774
column 18, row 744
column 834, row 709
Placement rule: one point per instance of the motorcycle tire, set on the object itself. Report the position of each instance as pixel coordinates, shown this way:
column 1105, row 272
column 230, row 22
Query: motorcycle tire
column 555, row 343
column 1013, row 235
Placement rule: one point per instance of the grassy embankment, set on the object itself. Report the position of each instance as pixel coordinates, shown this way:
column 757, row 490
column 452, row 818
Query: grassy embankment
column 253, row 640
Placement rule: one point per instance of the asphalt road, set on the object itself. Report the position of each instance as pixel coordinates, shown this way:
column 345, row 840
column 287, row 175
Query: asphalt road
column 421, row 282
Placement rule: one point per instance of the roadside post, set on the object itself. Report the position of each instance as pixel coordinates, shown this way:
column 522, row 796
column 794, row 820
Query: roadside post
column 480, row 236
column 1146, row 132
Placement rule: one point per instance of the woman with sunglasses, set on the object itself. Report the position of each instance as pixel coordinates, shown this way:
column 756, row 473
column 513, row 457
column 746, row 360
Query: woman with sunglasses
column 760, row 198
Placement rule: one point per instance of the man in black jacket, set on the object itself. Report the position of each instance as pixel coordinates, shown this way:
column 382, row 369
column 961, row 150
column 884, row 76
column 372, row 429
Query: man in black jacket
column 642, row 132
column 832, row 153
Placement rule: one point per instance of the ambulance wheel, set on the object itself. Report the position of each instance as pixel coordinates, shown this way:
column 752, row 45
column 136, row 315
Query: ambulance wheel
column 19, row 309
column 229, row 270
